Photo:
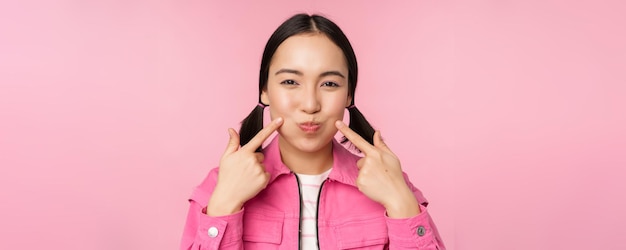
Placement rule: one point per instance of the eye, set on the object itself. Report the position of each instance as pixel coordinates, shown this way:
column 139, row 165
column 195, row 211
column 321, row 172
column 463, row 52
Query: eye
column 289, row 82
column 330, row 84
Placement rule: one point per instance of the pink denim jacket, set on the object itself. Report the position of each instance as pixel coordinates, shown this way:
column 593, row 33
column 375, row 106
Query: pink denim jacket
column 346, row 219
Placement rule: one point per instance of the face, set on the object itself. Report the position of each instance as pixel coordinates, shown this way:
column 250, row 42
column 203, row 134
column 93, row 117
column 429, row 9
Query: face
column 307, row 86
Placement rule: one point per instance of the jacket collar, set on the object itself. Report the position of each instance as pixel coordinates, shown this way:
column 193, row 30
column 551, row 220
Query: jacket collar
column 344, row 163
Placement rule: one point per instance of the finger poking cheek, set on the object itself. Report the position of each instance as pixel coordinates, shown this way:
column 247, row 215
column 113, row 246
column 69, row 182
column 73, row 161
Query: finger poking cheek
column 339, row 124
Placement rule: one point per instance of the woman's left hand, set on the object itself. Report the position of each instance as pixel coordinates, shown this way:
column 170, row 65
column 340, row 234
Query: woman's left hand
column 380, row 175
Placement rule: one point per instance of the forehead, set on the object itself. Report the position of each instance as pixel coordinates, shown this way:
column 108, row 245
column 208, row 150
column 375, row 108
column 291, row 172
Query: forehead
column 309, row 53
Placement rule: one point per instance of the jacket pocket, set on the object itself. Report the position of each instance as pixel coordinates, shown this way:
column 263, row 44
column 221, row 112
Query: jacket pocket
column 263, row 226
column 363, row 233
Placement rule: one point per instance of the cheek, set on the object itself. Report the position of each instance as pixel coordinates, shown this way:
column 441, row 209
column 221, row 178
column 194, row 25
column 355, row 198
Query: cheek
column 280, row 104
column 336, row 105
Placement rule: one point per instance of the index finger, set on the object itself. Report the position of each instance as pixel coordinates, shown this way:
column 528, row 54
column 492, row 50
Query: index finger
column 260, row 137
column 354, row 138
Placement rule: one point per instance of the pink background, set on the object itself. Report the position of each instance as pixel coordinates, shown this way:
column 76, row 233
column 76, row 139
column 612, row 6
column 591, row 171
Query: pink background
column 509, row 115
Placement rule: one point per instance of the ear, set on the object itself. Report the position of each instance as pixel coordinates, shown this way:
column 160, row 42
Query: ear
column 265, row 99
column 348, row 101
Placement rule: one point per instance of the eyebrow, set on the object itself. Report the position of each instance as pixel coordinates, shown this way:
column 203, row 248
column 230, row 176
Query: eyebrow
column 326, row 73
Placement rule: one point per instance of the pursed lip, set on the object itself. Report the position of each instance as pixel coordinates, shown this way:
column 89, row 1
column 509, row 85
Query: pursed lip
column 309, row 127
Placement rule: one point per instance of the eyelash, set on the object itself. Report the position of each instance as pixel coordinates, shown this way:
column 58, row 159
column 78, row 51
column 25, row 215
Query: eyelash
column 332, row 84
column 288, row 82
column 325, row 84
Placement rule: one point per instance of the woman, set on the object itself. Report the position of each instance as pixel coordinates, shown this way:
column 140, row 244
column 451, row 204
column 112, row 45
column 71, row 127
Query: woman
column 305, row 190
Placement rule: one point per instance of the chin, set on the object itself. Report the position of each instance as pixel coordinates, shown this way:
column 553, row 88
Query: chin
column 311, row 146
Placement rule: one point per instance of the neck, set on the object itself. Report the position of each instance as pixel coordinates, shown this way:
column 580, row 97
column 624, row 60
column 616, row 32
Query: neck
column 300, row 162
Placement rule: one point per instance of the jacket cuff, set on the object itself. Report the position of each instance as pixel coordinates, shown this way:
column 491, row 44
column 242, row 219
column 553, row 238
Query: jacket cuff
column 412, row 232
column 216, row 231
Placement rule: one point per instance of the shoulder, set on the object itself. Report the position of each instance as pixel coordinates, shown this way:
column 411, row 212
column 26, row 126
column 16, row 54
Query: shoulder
column 345, row 154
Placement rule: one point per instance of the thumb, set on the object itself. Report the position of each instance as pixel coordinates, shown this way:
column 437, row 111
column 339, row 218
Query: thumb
column 233, row 141
column 378, row 141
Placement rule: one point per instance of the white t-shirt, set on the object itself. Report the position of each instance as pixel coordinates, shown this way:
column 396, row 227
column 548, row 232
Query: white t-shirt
column 309, row 190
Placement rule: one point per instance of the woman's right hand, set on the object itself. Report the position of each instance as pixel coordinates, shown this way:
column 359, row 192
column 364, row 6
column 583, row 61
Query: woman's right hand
column 241, row 172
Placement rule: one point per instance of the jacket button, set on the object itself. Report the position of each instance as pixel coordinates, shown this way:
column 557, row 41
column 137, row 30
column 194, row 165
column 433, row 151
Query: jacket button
column 421, row 231
column 213, row 232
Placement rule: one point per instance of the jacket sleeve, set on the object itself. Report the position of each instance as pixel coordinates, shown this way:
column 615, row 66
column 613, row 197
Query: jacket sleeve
column 417, row 232
column 206, row 232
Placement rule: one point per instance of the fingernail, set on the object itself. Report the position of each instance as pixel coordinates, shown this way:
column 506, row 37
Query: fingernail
column 278, row 120
column 339, row 124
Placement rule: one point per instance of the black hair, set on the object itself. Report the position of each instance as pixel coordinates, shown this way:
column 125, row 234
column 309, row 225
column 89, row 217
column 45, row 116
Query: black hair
column 301, row 24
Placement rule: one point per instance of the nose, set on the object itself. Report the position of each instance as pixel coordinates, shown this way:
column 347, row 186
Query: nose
column 309, row 101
